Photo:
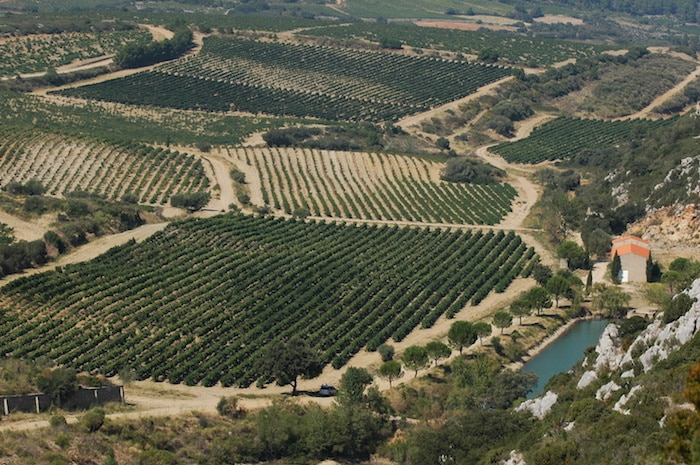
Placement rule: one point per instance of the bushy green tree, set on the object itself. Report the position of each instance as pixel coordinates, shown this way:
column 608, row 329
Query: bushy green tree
column 502, row 320
column 574, row 254
column 539, row 298
column 415, row 358
column 610, row 299
column 193, row 202
column 390, row 370
column 557, row 286
column 520, row 308
column 437, row 350
column 541, row 273
column 352, row 386
column 286, row 362
column 461, row 334
column 482, row 329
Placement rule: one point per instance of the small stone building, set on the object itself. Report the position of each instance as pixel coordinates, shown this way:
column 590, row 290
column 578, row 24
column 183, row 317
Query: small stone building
column 633, row 252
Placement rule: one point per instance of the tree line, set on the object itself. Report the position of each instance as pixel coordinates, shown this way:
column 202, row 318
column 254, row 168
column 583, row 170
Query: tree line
column 138, row 55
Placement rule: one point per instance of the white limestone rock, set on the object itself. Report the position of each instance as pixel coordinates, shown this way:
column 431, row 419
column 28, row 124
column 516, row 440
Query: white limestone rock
column 620, row 404
column 608, row 349
column 540, row 406
column 605, row 391
column 586, row 379
column 516, row 458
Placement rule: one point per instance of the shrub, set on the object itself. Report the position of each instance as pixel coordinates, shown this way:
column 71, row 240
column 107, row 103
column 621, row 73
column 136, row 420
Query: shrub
column 34, row 205
column 62, row 441
column 57, row 421
column 55, row 240
column 193, row 202
column 677, row 307
column 470, row 170
column 228, row 407
column 243, row 198
column 238, row 176
column 32, row 187
column 93, row 420
column 203, row 146
column 386, row 351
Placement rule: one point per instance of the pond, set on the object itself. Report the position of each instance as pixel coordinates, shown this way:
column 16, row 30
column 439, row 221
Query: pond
column 564, row 352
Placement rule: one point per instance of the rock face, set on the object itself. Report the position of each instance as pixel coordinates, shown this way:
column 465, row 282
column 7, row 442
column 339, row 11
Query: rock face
column 672, row 228
column 540, row 406
column 652, row 345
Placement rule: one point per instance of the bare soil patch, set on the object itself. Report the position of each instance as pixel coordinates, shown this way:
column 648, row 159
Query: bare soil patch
column 471, row 25
column 23, row 230
column 554, row 19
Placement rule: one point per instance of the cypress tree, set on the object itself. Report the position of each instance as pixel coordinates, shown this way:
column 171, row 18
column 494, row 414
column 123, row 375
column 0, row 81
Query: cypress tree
column 615, row 269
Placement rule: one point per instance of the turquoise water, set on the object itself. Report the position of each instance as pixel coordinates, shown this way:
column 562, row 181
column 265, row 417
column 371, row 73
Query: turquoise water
column 563, row 353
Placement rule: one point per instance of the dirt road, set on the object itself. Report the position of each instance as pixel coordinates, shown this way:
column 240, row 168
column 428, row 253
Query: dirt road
column 413, row 120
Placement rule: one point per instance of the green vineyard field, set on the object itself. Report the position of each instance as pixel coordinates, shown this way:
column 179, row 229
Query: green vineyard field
column 564, row 137
column 370, row 186
column 200, row 301
column 518, row 50
column 65, row 165
column 37, row 53
column 298, row 80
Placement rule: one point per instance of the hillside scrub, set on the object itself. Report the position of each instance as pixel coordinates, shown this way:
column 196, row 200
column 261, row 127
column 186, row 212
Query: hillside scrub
column 470, row 170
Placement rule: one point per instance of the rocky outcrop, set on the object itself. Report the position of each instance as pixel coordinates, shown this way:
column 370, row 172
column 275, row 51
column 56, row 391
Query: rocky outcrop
column 652, row 345
column 539, row 406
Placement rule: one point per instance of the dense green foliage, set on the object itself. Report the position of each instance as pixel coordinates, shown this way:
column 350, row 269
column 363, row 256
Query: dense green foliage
column 58, row 384
column 470, row 170
column 139, row 54
column 193, row 201
column 235, row 284
column 287, row 361
column 296, row 80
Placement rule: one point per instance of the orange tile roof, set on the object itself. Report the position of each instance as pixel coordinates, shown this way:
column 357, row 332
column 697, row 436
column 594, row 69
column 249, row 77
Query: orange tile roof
column 626, row 249
column 625, row 238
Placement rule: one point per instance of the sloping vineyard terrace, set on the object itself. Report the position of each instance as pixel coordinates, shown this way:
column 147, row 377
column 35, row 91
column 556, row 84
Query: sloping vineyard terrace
column 370, row 186
column 65, row 165
column 200, row 301
column 514, row 48
column 36, row 53
column 565, row 137
column 298, row 80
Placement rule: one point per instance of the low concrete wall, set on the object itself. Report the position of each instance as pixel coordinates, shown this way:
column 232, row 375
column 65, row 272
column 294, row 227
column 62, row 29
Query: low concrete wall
column 83, row 398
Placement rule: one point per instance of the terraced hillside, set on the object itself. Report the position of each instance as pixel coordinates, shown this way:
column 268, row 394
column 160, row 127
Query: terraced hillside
column 370, row 186
column 64, row 165
column 200, row 301
column 233, row 74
